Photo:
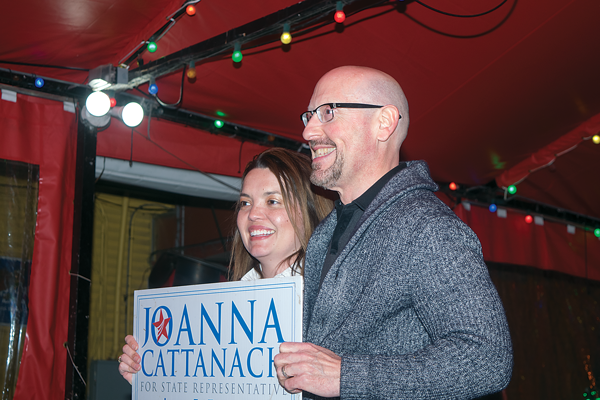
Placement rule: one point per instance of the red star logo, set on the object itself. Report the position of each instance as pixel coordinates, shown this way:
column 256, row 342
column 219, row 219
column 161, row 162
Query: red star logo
column 161, row 326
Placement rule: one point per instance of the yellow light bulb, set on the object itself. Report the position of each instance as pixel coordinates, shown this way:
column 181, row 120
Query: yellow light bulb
column 286, row 38
column 596, row 139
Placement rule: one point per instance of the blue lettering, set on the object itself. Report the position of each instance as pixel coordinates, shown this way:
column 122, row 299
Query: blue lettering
column 221, row 367
column 273, row 312
column 187, row 360
column 143, row 358
column 236, row 364
column 216, row 332
column 250, row 364
column 160, row 364
column 235, row 314
column 186, row 319
column 200, row 363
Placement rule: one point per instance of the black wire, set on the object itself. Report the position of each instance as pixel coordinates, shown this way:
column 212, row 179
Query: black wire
column 174, row 105
column 42, row 65
column 102, row 172
column 459, row 15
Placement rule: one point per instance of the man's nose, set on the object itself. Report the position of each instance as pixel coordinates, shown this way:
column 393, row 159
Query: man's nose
column 312, row 130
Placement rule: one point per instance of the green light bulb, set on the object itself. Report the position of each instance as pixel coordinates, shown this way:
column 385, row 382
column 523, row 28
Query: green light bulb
column 597, row 232
column 237, row 56
column 512, row 189
column 219, row 123
column 152, row 47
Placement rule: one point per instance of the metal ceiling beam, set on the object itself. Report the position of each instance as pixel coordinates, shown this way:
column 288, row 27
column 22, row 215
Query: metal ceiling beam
column 61, row 91
column 301, row 15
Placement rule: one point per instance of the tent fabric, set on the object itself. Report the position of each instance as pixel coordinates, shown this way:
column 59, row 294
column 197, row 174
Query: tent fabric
column 39, row 131
column 166, row 144
column 511, row 240
column 546, row 156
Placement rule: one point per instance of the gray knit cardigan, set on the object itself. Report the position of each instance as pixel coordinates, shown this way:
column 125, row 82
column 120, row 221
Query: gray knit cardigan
column 408, row 304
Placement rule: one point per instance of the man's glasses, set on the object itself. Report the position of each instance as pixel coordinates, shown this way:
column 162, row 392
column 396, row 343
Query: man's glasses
column 325, row 111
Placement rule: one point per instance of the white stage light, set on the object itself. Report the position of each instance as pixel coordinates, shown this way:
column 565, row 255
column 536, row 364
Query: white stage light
column 98, row 104
column 132, row 114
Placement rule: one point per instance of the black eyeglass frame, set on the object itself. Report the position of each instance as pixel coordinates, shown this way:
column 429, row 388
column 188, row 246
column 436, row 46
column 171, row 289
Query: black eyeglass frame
column 333, row 106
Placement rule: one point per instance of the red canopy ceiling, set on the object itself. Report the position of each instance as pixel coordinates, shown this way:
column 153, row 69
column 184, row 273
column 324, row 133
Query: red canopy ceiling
column 485, row 93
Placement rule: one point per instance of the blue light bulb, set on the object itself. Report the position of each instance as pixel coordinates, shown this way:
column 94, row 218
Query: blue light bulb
column 492, row 208
column 153, row 89
column 39, row 82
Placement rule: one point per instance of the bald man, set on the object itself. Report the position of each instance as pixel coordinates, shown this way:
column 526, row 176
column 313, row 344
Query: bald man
column 398, row 303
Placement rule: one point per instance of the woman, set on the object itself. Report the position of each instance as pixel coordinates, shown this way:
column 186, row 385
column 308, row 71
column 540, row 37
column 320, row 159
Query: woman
column 276, row 214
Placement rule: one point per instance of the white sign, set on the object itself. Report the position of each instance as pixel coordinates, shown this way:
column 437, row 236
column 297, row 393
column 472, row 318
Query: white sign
column 215, row 341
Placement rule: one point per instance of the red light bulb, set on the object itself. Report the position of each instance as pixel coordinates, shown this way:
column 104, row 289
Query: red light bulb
column 339, row 17
column 453, row 186
column 113, row 102
column 190, row 10
column 529, row 219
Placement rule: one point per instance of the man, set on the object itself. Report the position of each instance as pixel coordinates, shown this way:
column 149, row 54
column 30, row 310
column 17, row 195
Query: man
column 398, row 301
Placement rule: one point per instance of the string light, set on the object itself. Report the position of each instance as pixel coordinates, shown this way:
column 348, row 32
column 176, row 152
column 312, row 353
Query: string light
column 219, row 123
column 237, row 52
column 597, row 232
column 152, row 88
column 39, row 82
column 190, row 10
column 152, row 47
column 113, row 102
column 453, row 186
column 492, row 208
column 512, row 189
column 286, row 37
column 529, row 219
column 596, row 139
column 191, row 72
column 339, row 16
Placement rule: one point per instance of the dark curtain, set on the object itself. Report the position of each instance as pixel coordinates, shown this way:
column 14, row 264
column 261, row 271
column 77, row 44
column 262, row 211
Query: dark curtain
column 554, row 321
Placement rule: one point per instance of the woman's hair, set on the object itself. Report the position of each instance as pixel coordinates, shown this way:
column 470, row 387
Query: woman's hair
column 292, row 171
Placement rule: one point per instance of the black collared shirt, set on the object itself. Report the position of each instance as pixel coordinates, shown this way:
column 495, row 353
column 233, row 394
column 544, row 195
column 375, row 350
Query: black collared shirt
column 348, row 216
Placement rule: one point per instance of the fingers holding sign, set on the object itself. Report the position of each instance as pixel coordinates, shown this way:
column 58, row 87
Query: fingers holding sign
column 305, row 366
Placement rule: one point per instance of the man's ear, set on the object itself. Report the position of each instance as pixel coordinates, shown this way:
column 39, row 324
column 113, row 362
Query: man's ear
column 388, row 121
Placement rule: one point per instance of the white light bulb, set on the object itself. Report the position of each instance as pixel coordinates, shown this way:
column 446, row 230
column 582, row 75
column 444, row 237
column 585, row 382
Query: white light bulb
column 132, row 114
column 98, row 104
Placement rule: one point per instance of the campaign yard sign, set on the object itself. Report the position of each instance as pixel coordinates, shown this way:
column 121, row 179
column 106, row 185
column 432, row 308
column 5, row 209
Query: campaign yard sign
column 215, row 341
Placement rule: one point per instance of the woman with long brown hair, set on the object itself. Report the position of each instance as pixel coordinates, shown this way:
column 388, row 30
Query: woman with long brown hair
column 276, row 214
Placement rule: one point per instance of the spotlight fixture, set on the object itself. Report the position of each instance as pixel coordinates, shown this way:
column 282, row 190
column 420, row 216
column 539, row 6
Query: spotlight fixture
column 98, row 104
column 132, row 114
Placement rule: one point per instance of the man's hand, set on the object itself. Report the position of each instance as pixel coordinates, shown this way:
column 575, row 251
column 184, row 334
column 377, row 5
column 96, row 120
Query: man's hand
column 129, row 361
column 305, row 366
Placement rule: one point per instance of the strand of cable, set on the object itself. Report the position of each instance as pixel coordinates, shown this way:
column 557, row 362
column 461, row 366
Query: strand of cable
column 188, row 164
column 43, row 65
column 159, row 33
column 459, row 15
column 178, row 102
column 66, row 346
